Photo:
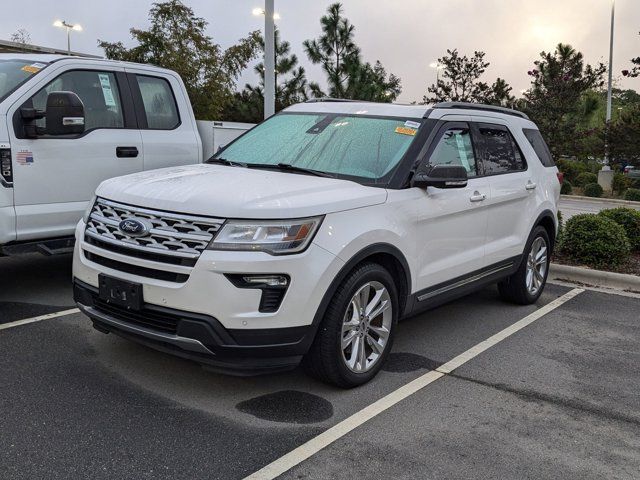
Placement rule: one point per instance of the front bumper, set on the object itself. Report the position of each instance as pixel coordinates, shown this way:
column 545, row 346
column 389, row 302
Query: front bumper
column 197, row 337
column 216, row 322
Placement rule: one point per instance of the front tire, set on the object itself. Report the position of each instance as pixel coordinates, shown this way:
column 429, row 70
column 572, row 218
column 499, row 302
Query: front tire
column 357, row 331
column 526, row 285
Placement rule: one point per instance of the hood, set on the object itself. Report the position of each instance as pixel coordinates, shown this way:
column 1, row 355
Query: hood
column 236, row 192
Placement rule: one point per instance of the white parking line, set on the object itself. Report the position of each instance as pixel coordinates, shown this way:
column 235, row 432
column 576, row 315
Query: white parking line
column 313, row 446
column 48, row 316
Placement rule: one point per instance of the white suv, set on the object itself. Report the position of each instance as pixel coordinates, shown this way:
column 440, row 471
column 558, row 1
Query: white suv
column 311, row 235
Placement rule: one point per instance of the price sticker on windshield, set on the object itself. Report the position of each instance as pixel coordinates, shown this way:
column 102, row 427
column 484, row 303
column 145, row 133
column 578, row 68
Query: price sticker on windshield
column 406, row 131
column 33, row 68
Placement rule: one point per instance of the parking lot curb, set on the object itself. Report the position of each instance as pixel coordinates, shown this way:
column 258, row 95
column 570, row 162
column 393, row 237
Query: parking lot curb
column 596, row 278
column 612, row 201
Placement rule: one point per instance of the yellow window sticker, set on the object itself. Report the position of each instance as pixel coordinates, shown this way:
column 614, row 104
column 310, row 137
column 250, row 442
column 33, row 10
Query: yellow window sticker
column 406, row 131
column 30, row 69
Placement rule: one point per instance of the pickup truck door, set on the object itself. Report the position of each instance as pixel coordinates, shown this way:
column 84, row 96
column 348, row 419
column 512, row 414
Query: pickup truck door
column 55, row 176
column 452, row 222
column 165, row 117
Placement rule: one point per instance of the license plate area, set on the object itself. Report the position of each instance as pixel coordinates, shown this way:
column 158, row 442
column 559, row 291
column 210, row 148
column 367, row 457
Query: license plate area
column 120, row 292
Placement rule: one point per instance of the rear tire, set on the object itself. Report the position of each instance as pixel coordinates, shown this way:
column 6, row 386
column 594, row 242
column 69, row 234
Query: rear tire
column 356, row 334
column 526, row 285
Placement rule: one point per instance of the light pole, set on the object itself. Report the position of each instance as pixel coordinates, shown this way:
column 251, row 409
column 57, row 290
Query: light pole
column 68, row 27
column 269, row 56
column 610, row 84
column 438, row 67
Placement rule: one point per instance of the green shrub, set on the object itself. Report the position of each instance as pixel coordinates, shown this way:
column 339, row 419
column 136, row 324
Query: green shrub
column 632, row 194
column 595, row 240
column 620, row 183
column 566, row 188
column 585, row 178
column 570, row 168
column 629, row 219
column 593, row 190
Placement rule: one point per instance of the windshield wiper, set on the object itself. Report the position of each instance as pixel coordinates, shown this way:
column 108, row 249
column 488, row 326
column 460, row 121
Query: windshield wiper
column 224, row 161
column 287, row 167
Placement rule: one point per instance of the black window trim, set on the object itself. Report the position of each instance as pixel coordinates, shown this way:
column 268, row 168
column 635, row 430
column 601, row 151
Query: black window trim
column 138, row 103
column 125, row 106
column 483, row 148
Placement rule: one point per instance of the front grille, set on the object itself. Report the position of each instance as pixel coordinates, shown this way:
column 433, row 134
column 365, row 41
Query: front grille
column 147, row 318
column 172, row 238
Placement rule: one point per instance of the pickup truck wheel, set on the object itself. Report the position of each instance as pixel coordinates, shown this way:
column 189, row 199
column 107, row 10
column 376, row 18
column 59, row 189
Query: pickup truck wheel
column 356, row 333
column 526, row 285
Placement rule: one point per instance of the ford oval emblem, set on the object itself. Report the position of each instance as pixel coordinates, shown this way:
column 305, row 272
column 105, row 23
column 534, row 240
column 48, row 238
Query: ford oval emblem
column 133, row 227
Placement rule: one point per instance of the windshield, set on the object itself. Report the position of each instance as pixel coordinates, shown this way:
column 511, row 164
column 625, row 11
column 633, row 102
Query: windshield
column 343, row 145
column 14, row 72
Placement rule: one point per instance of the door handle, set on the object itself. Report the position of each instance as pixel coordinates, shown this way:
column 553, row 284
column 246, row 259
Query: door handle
column 530, row 185
column 477, row 197
column 126, row 152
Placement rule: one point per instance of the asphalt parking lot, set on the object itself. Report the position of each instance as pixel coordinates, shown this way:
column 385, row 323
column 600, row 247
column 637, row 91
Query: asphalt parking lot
column 559, row 398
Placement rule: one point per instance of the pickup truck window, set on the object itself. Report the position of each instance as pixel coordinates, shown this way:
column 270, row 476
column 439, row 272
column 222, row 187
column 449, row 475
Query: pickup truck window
column 159, row 103
column 97, row 90
column 14, row 73
column 360, row 146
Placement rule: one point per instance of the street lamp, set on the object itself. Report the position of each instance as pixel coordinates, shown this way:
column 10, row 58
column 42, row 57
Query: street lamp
column 260, row 11
column 610, row 85
column 438, row 67
column 68, row 27
column 269, row 56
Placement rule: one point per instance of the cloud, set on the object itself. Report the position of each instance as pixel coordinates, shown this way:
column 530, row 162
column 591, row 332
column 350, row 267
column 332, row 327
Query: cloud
column 404, row 36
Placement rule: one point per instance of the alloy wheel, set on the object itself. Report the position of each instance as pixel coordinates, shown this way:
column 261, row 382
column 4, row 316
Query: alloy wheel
column 366, row 327
column 536, row 266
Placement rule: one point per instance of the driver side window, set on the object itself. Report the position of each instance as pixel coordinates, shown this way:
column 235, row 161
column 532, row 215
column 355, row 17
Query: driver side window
column 455, row 148
column 97, row 90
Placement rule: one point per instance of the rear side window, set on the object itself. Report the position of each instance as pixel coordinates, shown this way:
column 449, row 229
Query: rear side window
column 540, row 146
column 159, row 103
column 501, row 152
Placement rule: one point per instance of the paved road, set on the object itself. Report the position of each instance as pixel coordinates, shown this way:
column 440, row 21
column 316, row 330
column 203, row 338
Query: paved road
column 572, row 206
column 559, row 399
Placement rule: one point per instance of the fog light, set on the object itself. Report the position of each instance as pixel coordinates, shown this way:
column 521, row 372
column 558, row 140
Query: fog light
column 266, row 280
column 273, row 288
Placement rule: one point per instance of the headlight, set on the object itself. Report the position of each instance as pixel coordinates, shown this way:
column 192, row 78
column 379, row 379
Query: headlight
column 276, row 237
column 87, row 212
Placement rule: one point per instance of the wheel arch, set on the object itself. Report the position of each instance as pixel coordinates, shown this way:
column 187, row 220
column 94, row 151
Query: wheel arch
column 384, row 254
column 547, row 220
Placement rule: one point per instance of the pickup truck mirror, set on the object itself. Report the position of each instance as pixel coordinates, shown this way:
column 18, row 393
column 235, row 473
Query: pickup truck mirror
column 64, row 114
column 441, row 176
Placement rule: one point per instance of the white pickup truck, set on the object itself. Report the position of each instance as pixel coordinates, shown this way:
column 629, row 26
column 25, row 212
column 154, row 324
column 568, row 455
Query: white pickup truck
column 68, row 123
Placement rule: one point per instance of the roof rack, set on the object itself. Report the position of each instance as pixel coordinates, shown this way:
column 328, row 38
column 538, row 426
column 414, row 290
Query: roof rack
column 479, row 106
column 331, row 99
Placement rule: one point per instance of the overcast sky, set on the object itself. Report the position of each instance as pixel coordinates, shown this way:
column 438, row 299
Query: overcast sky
column 405, row 36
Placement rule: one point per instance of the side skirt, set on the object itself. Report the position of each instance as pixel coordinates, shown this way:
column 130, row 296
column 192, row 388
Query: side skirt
column 458, row 287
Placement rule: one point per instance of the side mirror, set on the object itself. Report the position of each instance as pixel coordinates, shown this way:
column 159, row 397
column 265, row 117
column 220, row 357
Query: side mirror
column 64, row 114
column 441, row 176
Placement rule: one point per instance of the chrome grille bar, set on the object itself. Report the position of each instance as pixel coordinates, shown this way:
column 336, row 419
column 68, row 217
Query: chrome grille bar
column 172, row 235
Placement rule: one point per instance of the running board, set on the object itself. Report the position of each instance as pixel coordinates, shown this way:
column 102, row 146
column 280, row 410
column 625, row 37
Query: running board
column 56, row 246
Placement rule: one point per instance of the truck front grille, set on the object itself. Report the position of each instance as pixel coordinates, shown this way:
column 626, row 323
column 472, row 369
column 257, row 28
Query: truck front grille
column 172, row 238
